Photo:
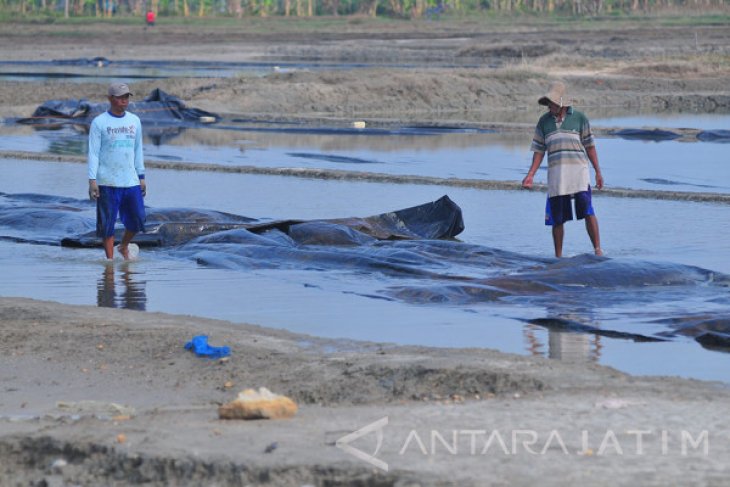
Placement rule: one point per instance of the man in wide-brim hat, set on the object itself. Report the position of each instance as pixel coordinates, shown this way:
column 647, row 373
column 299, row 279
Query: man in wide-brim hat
column 565, row 134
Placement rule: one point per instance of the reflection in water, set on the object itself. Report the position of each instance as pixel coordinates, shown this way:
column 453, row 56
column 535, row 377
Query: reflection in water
column 571, row 347
column 133, row 296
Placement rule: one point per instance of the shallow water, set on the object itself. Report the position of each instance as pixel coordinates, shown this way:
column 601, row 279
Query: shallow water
column 350, row 305
column 30, row 71
column 452, row 154
column 103, row 70
column 640, row 225
column 702, row 121
column 361, row 306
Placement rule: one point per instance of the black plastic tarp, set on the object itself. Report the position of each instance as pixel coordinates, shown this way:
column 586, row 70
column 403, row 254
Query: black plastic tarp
column 158, row 108
column 656, row 135
column 721, row 136
column 398, row 256
column 167, row 227
column 438, row 219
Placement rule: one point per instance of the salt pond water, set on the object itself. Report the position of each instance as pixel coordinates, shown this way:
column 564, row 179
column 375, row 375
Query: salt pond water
column 102, row 70
column 350, row 304
column 702, row 121
column 451, row 154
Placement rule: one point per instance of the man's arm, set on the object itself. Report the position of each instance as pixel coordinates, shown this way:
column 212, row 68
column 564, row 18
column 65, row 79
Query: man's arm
column 593, row 157
column 537, row 158
column 139, row 160
column 93, row 159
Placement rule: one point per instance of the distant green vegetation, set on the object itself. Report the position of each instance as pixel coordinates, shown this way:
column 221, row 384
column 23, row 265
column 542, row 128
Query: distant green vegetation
column 48, row 11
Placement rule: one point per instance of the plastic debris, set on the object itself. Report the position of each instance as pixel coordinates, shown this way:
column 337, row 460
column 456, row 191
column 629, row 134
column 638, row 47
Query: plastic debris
column 199, row 345
column 96, row 408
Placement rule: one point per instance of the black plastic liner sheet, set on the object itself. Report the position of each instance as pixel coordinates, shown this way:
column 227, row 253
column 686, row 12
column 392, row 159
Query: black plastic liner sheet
column 165, row 227
column 656, row 135
column 720, row 136
column 158, row 108
column 412, row 256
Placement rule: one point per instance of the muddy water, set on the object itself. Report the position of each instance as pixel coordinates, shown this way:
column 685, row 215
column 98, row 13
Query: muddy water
column 342, row 304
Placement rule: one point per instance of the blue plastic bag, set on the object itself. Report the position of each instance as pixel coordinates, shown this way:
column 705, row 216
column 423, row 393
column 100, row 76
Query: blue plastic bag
column 199, row 345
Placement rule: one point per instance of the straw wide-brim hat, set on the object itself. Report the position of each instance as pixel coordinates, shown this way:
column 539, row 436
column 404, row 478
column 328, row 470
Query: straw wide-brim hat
column 557, row 94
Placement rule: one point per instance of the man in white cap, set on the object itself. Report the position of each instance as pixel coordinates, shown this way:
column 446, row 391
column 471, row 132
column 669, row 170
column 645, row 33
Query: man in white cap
column 116, row 171
column 565, row 134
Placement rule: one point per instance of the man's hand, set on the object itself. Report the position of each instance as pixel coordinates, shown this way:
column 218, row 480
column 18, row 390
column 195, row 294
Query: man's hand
column 593, row 157
column 143, row 187
column 599, row 180
column 93, row 189
column 527, row 182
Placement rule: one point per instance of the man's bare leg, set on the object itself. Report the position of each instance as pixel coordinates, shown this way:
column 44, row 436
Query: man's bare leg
column 124, row 246
column 109, row 247
column 558, row 232
column 593, row 233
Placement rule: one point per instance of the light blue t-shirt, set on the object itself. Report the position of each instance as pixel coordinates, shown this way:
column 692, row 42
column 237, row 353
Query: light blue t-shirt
column 115, row 150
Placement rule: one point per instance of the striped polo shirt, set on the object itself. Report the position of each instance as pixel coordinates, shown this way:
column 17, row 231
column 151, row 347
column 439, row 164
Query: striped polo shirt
column 566, row 148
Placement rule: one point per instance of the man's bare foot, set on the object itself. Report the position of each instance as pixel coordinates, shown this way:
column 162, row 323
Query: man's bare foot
column 599, row 251
column 124, row 251
column 129, row 251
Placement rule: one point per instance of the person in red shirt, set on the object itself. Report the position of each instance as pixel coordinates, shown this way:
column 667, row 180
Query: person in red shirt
column 150, row 17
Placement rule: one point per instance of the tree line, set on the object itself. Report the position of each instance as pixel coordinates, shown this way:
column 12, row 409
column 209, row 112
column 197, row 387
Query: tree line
column 372, row 8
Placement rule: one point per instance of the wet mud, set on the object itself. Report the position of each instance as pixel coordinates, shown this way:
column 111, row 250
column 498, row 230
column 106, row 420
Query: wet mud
column 94, row 463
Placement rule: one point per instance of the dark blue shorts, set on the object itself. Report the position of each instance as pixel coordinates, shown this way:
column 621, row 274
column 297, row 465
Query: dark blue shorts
column 558, row 209
column 127, row 203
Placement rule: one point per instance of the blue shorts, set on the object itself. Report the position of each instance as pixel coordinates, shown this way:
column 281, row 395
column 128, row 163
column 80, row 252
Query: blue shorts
column 558, row 209
column 125, row 202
